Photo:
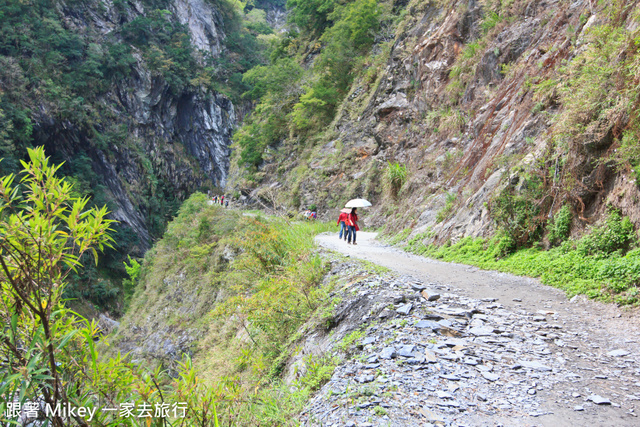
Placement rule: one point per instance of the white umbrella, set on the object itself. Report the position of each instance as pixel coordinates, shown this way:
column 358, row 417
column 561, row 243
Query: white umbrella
column 357, row 203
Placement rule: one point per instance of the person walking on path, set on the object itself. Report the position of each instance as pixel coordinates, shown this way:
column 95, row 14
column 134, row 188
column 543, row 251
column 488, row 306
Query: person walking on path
column 343, row 226
column 352, row 223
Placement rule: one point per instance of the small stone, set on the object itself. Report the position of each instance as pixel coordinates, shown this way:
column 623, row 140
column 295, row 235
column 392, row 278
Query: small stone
column 362, row 379
column 539, row 319
column 405, row 309
column 445, row 323
column 481, row 331
column 430, row 356
column 575, row 395
column 424, row 324
column 600, row 377
column 431, row 416
column 406, row 350
column 490, row 377
column 537, row 366
column 578, row 408
column 418, row 287
column 415, row 360
column 368, row 340
column 618, row 353
column 363, row 405
column 517, row 299
column 450, row 377
column 448, row 403
column 444, row 395
column 481, row 397
column 433, row 316
column 429, row 295
column 531, row 391
column 388, row 353
column 470, row 361
column 599, row 400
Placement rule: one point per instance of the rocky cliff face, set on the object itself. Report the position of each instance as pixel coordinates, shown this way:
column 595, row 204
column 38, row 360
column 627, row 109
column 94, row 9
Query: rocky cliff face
column 475, row 100
column 171, row 139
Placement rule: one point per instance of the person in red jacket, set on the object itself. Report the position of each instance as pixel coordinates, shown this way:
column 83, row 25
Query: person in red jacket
column 343, row 226
column 352, row 223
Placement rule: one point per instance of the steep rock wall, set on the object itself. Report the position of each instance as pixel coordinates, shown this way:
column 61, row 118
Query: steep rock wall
column 174, row 139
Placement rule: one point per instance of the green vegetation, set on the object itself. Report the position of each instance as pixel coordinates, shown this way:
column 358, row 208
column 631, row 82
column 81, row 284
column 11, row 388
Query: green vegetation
column 395, row 175
column 560, row 226
column 516, row 211
column 293, row 103
column 351, row 340
column 447, row 209
column 599, row 95
column 256, row 284
column 48, row 351
column 603, row 264
column 68, row 80
column 266, row 267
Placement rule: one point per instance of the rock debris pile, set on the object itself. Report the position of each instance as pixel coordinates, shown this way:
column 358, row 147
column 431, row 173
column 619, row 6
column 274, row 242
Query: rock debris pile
column 429, row 356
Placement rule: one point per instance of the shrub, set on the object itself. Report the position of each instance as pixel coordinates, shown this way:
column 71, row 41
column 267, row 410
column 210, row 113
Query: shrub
column 559, row 227
column 517, row 212
column 447, row 209
column 395, row 175
column 616, row 234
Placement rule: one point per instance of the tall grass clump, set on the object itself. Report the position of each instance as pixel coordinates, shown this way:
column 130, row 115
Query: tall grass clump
column 395, row 175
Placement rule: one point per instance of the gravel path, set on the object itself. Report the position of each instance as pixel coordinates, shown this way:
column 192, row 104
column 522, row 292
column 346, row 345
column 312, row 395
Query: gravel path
column 463, row 346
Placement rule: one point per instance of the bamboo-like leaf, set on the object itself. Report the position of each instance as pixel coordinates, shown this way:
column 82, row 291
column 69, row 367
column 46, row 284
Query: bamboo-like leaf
column 66, row 339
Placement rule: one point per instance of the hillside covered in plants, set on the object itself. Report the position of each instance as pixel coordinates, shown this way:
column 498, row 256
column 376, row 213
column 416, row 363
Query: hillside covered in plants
column 138, row 99
column 455, row 118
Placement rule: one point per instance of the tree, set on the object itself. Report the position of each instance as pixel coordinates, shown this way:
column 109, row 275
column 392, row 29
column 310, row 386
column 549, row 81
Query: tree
column 311, row 16
column 44, row 231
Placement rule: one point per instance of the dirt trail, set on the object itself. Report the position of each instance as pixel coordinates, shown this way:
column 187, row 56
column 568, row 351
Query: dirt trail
column 591, row 330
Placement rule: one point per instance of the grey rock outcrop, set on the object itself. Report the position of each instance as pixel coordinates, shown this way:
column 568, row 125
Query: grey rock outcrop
column 177, row 140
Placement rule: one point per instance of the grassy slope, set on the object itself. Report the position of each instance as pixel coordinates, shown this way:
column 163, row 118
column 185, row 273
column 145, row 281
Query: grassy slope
column 243, row 287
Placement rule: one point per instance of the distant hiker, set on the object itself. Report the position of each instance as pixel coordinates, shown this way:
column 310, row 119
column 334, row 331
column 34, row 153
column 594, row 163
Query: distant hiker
column 343, row 226
column 226, row 204
column 313, row 215
column 352, row 223
column 222, row 200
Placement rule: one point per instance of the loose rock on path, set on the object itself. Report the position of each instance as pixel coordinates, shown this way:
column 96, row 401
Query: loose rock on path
column 448, row 344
